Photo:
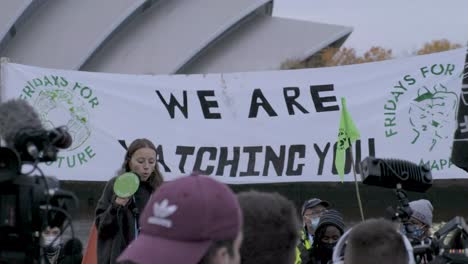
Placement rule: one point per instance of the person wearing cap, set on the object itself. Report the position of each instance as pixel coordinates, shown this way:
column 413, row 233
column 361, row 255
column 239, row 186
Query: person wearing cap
column 117, row 217
column 329, row 230
column 311, row 213
column 271, row 228
column 190, row 220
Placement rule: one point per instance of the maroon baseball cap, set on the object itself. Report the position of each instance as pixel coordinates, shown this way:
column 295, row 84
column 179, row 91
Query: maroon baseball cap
column 182, row 219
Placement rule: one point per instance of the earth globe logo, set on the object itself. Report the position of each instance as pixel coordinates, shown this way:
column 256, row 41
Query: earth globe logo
column 60, row 107
column 430, row 113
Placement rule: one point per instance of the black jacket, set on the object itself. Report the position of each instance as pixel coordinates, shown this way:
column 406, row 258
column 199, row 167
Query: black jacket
column 115, row 224
column 69, row 253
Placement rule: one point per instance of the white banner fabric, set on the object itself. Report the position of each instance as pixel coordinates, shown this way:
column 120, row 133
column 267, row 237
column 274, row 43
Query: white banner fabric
column 252, row 127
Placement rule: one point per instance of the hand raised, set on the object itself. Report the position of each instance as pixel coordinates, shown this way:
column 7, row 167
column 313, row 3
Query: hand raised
column 121, row 201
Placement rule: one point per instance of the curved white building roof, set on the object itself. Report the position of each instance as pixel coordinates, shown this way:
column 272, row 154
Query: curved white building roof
column 64, row 34
column 157, row 36
column 163, row 39
column 265, row 44
column 11, row 13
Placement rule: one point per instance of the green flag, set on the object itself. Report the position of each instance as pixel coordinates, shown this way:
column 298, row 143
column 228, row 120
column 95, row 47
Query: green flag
column 347, row 134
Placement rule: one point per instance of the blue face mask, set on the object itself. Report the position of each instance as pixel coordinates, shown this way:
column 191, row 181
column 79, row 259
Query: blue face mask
column 314, row 222
column 418, row 233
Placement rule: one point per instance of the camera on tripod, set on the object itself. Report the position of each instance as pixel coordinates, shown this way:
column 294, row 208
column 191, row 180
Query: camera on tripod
column 404, row 175
column 28, row 203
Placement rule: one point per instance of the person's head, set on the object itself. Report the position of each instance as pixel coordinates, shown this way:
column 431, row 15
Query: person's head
column 141, row 158
column 311, row 212
column 376, row 241
column 224, row 251
column 192, row 219
column 51, row 240
column 270, row 228
column 421, row 219
column 51, row 236
column 329, row 230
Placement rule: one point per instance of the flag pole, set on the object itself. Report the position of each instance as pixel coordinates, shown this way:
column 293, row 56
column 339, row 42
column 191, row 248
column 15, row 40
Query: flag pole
column 347, row 133
column 356, row 185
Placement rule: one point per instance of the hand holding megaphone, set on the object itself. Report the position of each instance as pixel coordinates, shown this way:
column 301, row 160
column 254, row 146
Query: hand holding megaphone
column 122, row 201
column 125, row 186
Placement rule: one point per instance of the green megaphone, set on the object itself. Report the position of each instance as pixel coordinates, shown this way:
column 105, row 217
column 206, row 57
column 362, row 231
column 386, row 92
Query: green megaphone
column 126, row 185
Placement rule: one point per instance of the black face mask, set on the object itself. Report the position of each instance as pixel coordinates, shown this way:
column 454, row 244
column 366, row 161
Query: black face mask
column 330, row 246
column 326, row 251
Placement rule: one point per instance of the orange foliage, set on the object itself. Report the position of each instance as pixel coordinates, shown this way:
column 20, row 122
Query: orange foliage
column 345, row 56
column 437, row 46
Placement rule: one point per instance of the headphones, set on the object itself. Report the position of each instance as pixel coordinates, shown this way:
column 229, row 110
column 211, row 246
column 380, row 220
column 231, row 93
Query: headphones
column 339, row 251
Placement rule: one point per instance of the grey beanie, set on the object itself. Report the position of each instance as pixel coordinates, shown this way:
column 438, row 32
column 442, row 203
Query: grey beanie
column 422, row 210
column 331, row 217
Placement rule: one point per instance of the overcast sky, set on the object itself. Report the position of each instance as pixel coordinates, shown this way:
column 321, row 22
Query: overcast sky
column 401, row 25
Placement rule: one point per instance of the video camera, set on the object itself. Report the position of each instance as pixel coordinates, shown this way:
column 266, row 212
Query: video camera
column 29, row 203
column 404, row 175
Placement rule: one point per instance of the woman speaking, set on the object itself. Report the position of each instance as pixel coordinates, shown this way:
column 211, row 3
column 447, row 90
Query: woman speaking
column 117, row 211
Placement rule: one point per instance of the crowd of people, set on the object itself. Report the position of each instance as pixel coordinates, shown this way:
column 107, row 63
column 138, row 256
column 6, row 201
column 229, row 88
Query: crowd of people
column 196, row 219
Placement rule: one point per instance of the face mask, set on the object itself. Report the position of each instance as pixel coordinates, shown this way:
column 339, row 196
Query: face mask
column 326, row 251
column 50, row 241
column 329, row 246
column 314, row 222
column 418, row 233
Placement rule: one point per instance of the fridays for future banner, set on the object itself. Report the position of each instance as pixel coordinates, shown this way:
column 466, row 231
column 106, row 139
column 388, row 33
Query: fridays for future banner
column 253, row 127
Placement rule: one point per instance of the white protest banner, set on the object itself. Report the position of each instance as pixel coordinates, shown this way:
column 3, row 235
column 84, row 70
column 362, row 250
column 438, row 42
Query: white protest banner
column 255, row 127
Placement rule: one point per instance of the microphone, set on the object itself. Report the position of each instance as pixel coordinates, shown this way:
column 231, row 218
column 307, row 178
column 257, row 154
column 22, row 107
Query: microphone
column 60, row 137
column 21, row 128
column 17, row 119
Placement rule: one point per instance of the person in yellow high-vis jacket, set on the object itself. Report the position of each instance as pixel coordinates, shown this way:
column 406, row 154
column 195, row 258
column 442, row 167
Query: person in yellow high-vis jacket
column 303, row 249
column 311, row 212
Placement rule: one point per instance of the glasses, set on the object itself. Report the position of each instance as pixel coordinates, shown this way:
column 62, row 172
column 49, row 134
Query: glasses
column 416, row 223
column 315, row 213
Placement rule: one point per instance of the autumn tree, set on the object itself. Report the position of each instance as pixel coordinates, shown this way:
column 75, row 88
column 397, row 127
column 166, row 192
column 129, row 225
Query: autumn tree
column 329, row 57
column 437, row 46
column 376, row 54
